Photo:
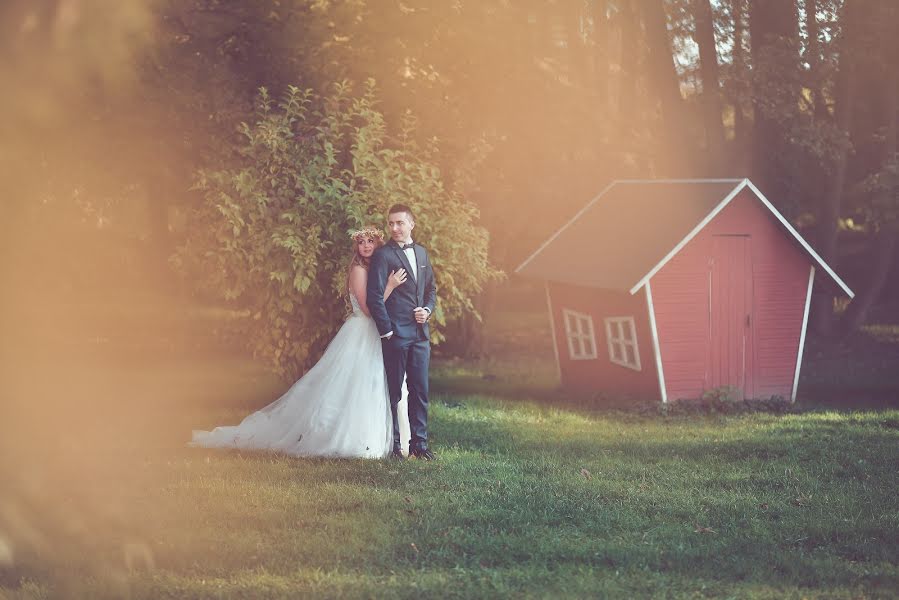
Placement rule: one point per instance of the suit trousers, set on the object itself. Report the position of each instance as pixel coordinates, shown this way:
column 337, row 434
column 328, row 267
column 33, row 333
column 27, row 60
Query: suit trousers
column 408, row 358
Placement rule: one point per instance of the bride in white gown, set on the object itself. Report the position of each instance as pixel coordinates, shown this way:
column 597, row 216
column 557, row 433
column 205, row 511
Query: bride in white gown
column 340, row 407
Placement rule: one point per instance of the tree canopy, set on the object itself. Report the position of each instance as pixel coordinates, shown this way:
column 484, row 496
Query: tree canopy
column 800, row 95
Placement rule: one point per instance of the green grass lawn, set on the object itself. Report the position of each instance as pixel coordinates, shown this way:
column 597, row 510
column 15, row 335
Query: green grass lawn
column 525, row 500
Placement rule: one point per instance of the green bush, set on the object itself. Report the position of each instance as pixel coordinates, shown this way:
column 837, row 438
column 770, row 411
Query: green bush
column 271, row 231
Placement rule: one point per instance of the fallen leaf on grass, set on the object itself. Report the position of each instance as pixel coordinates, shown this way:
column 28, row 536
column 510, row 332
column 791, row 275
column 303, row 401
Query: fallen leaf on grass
column 407, row 499
column 586, row 474
column 414, row 547
column 701, row 529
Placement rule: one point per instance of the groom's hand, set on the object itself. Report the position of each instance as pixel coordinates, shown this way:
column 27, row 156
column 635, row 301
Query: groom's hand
column 421, row 314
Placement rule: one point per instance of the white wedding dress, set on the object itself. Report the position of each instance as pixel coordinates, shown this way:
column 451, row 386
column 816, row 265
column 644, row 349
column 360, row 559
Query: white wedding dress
column 339, row 408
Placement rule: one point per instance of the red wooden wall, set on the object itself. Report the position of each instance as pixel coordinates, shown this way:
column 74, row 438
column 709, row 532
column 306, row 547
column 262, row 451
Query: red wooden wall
column 601, row 374
column 776, row 299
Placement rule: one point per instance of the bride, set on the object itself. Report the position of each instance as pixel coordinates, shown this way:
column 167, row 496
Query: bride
column 340, row 407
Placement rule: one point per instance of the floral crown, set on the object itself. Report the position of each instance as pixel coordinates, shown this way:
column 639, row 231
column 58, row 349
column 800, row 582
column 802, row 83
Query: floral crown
column 368, row 232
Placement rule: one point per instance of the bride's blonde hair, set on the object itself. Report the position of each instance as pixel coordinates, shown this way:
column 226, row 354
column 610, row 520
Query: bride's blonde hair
column 370, row 232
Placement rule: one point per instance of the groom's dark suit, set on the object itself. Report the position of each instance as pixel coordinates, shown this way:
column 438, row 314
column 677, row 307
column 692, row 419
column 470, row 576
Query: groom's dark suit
column 408, row 351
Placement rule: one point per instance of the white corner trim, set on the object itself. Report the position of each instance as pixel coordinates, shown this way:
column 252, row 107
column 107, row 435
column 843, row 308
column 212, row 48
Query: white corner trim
column 564, row 227
column 798, row 237
column 808, row 300
column 733, row 193
column 552, row 330
column 655, row 343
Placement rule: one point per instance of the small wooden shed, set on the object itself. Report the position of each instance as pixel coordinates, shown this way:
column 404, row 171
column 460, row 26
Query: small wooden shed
column 674, row 288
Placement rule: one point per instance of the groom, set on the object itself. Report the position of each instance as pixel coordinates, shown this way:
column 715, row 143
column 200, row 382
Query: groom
column 403, row 324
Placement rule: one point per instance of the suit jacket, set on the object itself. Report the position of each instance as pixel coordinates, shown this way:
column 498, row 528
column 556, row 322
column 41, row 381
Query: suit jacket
column 396, row 314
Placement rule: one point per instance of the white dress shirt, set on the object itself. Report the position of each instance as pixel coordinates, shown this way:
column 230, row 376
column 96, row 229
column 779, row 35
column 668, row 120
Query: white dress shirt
column 410, row 255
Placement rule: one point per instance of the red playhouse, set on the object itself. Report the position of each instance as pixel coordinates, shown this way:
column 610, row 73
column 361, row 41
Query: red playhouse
column 671, row 289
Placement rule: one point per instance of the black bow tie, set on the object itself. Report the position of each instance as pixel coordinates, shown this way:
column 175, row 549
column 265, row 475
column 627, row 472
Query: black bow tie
column 406, row 246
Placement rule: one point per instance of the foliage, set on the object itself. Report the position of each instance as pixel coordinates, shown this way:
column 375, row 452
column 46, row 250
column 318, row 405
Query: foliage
column 272, row 230
column 883, row 189
column 723, row 402
column 568, row 98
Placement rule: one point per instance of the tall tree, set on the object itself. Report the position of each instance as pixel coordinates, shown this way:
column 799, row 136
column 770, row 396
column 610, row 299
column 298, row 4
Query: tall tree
column 831, row 197
column 883, row 186
column 601, row 53
column 740, row 75
column 629, row 59
column 776, row 89
column 711, row 100
column 665, row 83
column 813, row 56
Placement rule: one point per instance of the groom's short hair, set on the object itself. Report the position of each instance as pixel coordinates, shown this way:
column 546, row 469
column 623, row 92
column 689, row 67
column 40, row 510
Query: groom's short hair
column 396, row 208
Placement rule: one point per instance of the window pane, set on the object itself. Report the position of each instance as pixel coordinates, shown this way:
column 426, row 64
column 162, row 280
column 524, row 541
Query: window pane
column 620, row 335
column 631, row 357
column 591, row 348
column 616, row 351
column 580, row 342
column 628, row 331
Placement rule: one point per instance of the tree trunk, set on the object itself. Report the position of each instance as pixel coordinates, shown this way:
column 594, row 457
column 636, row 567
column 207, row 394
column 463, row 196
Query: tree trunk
column 704, row 36
column 627, row 77
column 813, row 58
column 831, row 199
column 161, row 244
column 883, row 251
column 741, row 76
column 774, row 31
column 577, row 51
column 601, row 53
column 666, row 83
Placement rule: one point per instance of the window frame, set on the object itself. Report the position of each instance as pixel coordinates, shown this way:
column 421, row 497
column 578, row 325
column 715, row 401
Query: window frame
column 622, row 325
column 583, row 333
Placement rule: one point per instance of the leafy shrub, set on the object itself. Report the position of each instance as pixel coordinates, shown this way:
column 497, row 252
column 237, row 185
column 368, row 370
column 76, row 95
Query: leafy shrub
column 271, row 231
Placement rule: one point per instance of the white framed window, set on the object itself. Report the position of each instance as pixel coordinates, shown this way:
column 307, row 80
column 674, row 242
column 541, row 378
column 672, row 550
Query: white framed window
column 579, row 331
column 621, row 334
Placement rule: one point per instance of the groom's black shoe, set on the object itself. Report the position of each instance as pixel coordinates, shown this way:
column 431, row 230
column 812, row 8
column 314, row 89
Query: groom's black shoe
column 422, row 453
column 397, row 454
